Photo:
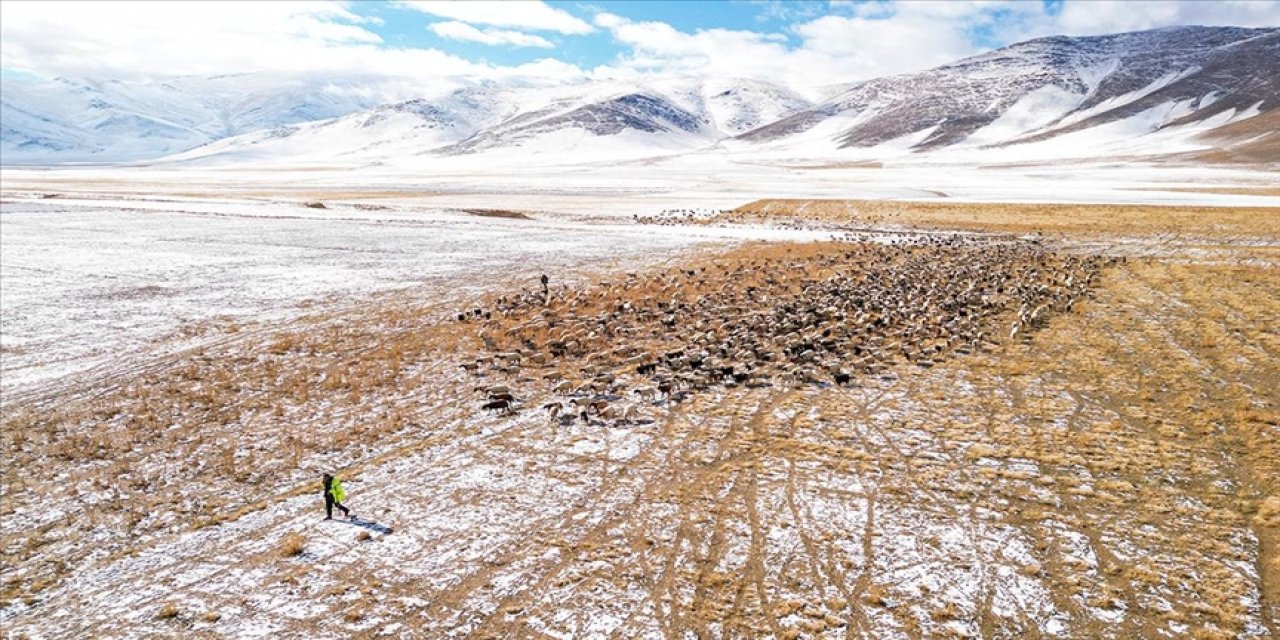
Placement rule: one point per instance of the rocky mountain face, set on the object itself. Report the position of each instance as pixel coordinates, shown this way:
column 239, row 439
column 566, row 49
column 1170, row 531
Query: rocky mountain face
column 1048, row 87
column 1089, row 91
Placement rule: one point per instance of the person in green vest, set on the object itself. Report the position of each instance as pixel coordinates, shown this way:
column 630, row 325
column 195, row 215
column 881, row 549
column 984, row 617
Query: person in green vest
column 334, row 494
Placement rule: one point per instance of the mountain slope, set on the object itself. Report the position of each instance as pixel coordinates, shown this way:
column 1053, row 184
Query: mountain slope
column 1043, row 88
column 609, row 117
column 1157, row 92
column 635, row 118
column 65, row 120
column 733, row 105
column 395, row 129
column 1254, row 140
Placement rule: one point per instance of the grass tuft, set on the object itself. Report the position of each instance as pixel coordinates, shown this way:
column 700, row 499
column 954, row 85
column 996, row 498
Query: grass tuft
column 293, row 544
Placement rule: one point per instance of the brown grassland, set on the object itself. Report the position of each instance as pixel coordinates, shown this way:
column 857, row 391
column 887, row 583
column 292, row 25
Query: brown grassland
column 1114, row 474
column 1074, row 219
column 1242, row 191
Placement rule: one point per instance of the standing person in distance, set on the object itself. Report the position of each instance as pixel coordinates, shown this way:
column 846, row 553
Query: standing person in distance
column 334, row 494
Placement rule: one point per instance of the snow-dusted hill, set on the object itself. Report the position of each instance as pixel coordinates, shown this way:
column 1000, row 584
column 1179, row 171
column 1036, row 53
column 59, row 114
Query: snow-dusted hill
column 72, row 120
column 1132, row 84
column 402, row 128
column 602, row 118
column 1156, row 92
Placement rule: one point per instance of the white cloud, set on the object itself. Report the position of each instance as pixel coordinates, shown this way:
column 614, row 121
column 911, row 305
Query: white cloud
column 520, row 14
column 832, row 49
column 142, row 40
column 146, row 40
column 455, row 30
column 659, row 47
column 1110, row 16
column 608, row 20
column 858, row 48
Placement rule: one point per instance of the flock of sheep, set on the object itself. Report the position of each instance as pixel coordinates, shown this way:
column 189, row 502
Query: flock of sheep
column 819, row 314
column 677, row 217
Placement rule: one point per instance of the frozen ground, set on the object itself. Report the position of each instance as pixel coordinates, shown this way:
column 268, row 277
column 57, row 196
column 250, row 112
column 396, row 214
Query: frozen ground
column 1004, row 495
column 1008, row 495
column 693, row 179
column 87, row 282
column 123, row 257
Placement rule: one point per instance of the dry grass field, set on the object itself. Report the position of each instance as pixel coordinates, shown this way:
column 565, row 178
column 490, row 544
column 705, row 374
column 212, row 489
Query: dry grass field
column 1074, row 219
column 1244, row 191
column 1114, row 472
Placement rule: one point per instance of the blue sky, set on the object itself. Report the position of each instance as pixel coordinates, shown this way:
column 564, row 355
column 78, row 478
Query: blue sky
column 398, row 47
column 406, row 27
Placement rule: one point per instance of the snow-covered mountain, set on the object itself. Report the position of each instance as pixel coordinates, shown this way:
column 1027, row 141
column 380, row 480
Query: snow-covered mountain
column 1121, row 86
column 402, row 128
column 72, row 120
column 1162, row 91
column 610, row 118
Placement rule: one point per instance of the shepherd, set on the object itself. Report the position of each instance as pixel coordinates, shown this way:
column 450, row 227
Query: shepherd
column 545, row 281
column 334, row 494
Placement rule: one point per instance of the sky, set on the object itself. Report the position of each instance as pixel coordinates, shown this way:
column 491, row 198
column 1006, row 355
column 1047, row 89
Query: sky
column 398, row 47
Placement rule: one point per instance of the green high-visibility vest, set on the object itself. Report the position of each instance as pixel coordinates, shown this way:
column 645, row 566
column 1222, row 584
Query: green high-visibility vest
column 336, row 489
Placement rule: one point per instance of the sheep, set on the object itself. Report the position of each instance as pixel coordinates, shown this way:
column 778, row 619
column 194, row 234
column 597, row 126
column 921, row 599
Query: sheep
column 646, row 393
column 503, row 406
column 797, row 319
column 553, row 409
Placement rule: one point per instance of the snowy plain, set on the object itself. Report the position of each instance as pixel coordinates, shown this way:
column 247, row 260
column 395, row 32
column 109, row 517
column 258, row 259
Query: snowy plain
column 89, row 280
column 126, row 259
column 105, row 268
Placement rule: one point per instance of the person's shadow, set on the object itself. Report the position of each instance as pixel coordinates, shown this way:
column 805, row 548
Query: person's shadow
column 367, row 524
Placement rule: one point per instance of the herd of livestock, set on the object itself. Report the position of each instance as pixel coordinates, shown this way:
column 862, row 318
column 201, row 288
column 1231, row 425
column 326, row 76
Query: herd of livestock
column 677, row 217
column 817, row 314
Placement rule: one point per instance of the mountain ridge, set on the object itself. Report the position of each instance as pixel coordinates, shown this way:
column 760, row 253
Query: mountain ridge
column 963, row 97
column 1155, row 90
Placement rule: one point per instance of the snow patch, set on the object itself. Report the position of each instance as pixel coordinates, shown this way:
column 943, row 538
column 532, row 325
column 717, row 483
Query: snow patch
column 1127, row 98
column 1033, row 111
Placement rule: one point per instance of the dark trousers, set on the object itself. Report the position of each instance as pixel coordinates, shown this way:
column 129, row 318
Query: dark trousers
column 329, row 503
